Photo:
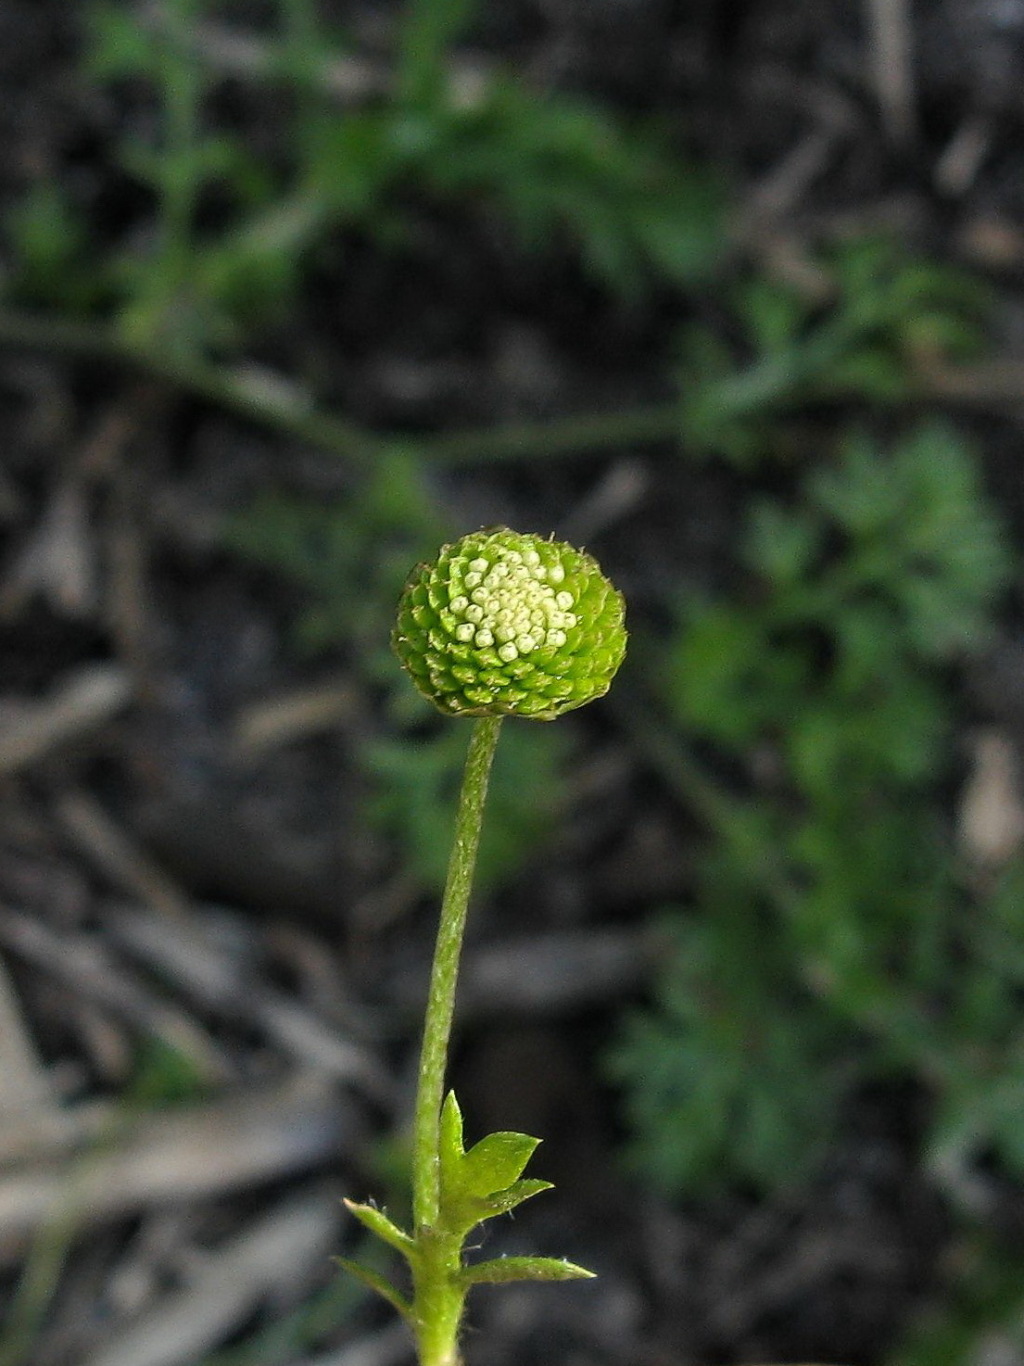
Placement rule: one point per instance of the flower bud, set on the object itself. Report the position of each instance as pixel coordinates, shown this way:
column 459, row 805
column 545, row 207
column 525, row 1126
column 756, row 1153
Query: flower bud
column 504, row 624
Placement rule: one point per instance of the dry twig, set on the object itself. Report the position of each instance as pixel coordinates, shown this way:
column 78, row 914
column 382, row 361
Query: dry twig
column 183, row 951
column 891, row 31
column 82, row 962
column 201, row 1152
column 112, row 851
column 187, row 1323
column 83, row 700
column 281, row 720
column 29, row 1114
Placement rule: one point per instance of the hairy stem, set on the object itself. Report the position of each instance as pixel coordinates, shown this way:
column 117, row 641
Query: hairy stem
column 444, row 975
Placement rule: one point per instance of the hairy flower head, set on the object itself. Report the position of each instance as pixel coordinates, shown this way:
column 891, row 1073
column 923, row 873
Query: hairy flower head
column 505, row 624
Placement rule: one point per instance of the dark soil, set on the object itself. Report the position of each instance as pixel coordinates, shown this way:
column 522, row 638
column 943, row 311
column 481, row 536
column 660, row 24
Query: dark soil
column 189, row 865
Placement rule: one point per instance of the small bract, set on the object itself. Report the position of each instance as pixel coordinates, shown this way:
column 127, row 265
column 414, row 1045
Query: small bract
column 506, row 624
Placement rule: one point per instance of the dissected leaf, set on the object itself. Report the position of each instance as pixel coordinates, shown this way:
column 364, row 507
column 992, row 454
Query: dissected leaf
column 888, row 313
column 828, row 942
column 481, row 1183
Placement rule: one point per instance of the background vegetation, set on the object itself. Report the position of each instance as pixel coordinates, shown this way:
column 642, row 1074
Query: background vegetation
column 354, row 279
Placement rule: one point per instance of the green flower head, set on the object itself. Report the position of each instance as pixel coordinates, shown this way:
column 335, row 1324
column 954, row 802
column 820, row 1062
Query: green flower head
column 503, row 624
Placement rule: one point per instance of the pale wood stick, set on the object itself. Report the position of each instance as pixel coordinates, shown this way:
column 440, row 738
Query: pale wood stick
column 188, row 1154
column 891, row 31
column 82, row 701
column 185, row 1324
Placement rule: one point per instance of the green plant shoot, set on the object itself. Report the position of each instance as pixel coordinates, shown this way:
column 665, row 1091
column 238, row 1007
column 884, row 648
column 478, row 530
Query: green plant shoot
column 501, row 624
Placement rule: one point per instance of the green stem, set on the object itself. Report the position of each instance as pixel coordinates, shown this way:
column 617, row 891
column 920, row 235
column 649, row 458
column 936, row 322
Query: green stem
column 577, row 433
column 426, row 1182
column 298, row 417
column 439, row 1298
column 428, row 31
column 303, row 53
column 182, row 88
column 301, row 420
column 295, row 418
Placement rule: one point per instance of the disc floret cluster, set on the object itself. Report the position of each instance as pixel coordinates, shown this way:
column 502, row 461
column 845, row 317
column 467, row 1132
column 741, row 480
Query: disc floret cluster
column 507, row 624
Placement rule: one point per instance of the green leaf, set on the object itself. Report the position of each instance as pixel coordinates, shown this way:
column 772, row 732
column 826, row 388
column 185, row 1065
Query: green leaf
column 52, row 260
column 729, row 677
column 378, row 1222
column 117, row 45
column 505, row 1269
column 481, row 1183
column 495, row 1162
column 920, row 536
column 378, row 1283
column 783, row 545
column 500, row 1202
column 450, row 1141
column 775, row 315
column 429, row 30
column 735, row 1076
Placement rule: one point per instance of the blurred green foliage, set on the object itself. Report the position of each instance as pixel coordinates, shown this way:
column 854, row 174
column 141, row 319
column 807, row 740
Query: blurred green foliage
column 878, row 314
column 232, row 231
column 349, row 555
column 49, row 245
column 163, row 1077
column 981, row 1317
column 349, row 558
column 831, row 939
column 833, row 936
column 416, row 782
